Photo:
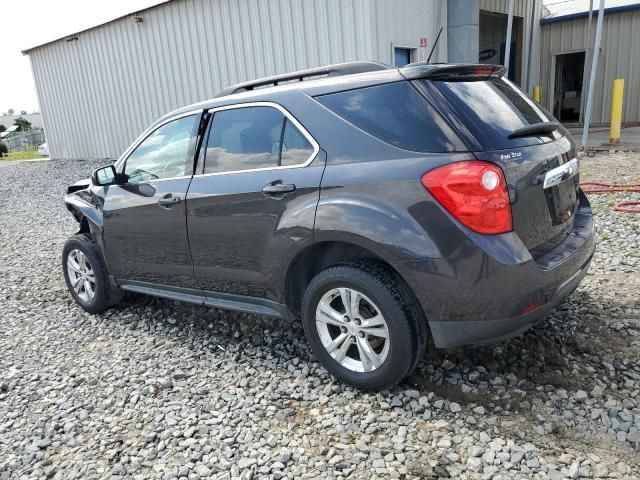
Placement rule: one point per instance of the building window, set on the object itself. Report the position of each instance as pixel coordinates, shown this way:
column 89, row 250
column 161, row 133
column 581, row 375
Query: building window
column 402, row 56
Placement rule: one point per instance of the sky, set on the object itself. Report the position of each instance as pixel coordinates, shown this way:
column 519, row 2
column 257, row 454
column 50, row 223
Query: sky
column 26, row 23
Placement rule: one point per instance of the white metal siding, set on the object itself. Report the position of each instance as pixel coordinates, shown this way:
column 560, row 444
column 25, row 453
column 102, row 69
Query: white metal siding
column 520, row 7
column 619, row 58
column 99, row 92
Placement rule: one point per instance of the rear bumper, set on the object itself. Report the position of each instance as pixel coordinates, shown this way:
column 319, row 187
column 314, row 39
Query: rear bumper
column 487, row 289
column 455, row 333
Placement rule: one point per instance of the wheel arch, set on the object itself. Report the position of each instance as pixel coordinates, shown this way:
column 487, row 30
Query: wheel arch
column 87, row 215
column 90, row 219
column 317, row 257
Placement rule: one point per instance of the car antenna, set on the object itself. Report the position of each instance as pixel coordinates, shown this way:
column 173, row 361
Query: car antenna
column 434, row 45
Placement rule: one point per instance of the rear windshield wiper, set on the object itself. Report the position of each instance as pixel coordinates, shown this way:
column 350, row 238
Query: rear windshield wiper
column 535, row 130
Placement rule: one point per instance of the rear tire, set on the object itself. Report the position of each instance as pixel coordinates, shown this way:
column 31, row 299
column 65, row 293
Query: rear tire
column 86, row 275
column 377, row 341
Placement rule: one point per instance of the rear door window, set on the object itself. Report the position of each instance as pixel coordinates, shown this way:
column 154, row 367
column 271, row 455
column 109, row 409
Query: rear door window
column 296, row 149
column 397, row 114
column 491, row 110
column 244, row 139
column 249, row 138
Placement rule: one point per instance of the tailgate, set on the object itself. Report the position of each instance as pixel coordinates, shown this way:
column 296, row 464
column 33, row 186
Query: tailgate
column 542, row 214
column 511, row 130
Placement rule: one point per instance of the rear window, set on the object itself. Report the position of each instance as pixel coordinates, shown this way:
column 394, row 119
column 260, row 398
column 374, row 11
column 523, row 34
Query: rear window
column 397, row 114
column 491, row 110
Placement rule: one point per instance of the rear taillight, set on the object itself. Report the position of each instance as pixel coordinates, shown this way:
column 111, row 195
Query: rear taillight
column 475, row 193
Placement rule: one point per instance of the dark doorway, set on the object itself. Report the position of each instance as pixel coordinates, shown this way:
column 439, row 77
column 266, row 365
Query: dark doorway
column 567, row 95
column 493, row 32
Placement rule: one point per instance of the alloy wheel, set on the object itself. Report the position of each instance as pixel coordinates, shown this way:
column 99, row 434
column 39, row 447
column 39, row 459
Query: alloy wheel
column 81, row 275
column 352, row 329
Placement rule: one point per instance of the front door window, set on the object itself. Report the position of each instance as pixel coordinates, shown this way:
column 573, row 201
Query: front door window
column 163, row 154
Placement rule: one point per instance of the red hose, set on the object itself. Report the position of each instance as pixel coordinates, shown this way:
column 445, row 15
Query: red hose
column 601, row 187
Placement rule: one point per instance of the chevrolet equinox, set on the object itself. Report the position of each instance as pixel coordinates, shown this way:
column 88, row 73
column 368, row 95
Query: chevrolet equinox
column 383, row 206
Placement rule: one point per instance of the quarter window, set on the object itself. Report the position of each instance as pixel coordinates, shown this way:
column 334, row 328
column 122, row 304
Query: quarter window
column 247, row 138
column 397, row 114
column 163, row 154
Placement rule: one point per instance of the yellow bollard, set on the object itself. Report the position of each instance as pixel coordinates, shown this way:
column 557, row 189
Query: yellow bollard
column 537, row 93
column 616, row 110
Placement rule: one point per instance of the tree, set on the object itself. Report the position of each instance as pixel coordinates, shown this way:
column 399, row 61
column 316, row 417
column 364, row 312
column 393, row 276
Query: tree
column 11, row 111
column 2, row 128
column 23, row 123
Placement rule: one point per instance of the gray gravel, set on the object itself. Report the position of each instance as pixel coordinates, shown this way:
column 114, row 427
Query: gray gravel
column 155, row 389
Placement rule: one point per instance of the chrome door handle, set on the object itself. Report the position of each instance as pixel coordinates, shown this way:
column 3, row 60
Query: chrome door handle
column 167, row 201
column 278, row 188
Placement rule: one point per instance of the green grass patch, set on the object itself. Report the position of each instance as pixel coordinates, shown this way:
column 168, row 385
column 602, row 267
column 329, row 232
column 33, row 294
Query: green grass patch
column 26, row 155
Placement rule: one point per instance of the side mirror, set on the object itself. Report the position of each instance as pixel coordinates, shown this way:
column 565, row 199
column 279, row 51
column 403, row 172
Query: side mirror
column 104, row 176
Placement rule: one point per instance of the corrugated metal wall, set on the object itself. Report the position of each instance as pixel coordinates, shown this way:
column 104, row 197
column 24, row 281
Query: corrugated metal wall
column 520, row 7
column 99, row 92
column 619, row 58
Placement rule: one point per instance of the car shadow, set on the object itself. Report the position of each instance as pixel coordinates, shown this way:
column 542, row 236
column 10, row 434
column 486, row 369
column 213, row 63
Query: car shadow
column 564, row 351
column 543, row 359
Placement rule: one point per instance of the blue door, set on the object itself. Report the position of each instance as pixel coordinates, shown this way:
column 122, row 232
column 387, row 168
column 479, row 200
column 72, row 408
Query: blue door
column 401, row 56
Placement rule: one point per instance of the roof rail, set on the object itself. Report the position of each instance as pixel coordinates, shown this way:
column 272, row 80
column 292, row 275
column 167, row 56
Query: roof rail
column 334, row 70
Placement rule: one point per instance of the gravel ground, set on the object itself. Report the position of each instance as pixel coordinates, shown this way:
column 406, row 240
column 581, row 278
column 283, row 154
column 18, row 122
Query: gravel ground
column 155, row 389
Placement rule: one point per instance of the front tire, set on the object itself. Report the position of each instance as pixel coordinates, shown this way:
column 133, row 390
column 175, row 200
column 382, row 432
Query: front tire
column 363, row 325
column 86, row 275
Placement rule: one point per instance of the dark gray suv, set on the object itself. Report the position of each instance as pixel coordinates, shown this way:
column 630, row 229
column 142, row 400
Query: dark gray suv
column 380, row 205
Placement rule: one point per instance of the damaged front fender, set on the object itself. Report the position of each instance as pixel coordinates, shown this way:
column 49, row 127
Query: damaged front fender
column 83, row 208
column 85, row 202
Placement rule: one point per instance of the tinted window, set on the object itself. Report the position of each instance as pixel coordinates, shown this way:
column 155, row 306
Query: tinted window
column 244, row 138
column 163, row 154
column 253, row 137
column 296, row 148
column 491, row 110
column 396, row 113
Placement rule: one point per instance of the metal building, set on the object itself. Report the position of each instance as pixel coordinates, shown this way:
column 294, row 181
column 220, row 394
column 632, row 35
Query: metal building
column 99, row 88
column 524, row 65
column 566, row 53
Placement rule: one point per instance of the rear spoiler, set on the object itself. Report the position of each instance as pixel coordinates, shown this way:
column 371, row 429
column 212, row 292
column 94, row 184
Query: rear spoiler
column 535, row 130
column 452, row 72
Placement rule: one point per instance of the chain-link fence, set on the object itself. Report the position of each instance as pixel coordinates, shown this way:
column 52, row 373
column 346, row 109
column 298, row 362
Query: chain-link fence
column 17, row 142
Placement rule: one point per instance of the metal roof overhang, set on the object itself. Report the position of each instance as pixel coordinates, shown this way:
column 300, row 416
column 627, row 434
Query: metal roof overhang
column 573, row 16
